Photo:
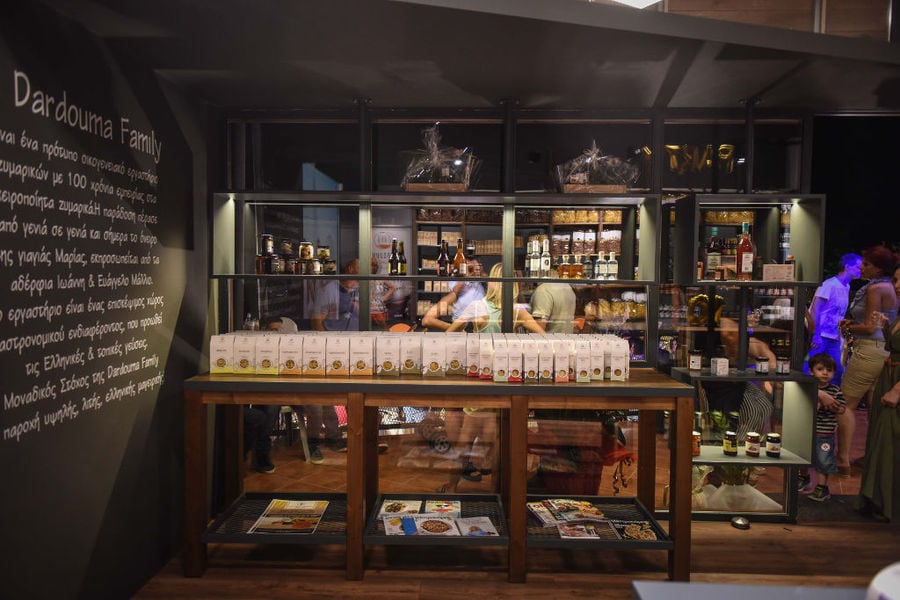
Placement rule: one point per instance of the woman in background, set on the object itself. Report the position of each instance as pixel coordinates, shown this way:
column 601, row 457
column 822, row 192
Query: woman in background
column 866, row 340
column 880, row 487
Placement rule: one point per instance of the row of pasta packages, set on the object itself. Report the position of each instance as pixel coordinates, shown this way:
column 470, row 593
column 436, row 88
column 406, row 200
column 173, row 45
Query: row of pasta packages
column 527, row 358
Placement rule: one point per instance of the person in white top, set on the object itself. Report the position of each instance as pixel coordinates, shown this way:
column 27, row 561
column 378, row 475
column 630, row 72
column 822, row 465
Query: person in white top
column 828, row 307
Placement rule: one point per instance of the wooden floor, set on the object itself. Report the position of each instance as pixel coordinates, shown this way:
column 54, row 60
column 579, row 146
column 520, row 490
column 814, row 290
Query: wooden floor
column 824, row 553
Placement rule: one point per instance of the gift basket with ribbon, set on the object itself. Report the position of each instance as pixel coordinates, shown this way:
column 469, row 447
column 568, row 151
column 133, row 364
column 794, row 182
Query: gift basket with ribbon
column 595, row 172
column 436, row 168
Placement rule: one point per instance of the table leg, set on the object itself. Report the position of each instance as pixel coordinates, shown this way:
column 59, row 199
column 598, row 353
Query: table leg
column 646, row 490
column 680, row 427
column 193, row 558
column 357, row 463
column 517, row 486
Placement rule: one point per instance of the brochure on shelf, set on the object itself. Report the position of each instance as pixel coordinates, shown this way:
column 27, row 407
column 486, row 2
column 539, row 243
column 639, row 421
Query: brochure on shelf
column 476, row 526
column 400, row 507
column 596, row 530
column 449, row 508
column 290, row 516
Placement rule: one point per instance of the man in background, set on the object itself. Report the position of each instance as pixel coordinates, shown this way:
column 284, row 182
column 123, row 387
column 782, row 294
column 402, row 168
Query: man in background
column 827, row 309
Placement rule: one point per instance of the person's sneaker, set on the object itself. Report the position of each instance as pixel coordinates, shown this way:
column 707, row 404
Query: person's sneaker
column 265, row 467
column 802, row 482
column 315, row 456
column 820, row 494
column 337, row 446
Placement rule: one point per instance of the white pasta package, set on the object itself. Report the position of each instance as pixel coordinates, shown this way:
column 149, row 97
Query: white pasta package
column 456, row 349
column 582, row 360
column 221, row 354
column 387, row 355
column 313, row 355
column 245, row 354
column 486, row 356
column 434, row 355
column 545, row 360
column 337, row 355
column 501, row 359
column 290, row 354
column 597, row 362
column 411, row 354
column 362, row 355
column 473, row 355
column 514, row 354
column 530, row 360
column 267, row 354
column 619, row 362
column 561, row 360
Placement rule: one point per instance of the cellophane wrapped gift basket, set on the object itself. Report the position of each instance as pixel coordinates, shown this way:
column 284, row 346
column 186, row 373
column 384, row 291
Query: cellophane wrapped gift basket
column 595, row 172
column 437, row 169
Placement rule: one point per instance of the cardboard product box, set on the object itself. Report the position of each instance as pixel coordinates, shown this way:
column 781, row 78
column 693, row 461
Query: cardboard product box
column 267, row 354
column 313, row 355
column 362, row 355
column 434, row 355
column 514, row 351
column 245, row 354
column 486, row 357
column 337, row 355
column 718, row 366
column 387, row 356
column 501, row 359
column 530, row 360
column 618, row 367
column 597, row 364
column 290, row 354
column 582, row 361
column 560, row 361
column 609, row 345
column 411, row 354
column 221, row 354
column 457, row 358
column 473, row 354
column 545, row 361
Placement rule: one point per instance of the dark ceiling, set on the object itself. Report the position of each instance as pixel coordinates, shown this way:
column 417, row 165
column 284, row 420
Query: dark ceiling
column 547, row 54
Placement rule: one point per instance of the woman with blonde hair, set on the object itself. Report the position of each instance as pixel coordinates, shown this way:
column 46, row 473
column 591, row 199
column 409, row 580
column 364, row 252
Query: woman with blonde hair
column 485, row 314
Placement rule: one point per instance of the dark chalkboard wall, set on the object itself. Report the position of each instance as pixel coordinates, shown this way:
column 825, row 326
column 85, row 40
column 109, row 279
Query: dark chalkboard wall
column 99, row 281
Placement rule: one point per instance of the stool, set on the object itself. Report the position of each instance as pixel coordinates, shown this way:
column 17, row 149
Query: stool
column 286, row 418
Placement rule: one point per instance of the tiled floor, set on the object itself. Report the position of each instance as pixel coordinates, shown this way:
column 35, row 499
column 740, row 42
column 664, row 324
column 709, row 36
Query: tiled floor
column 410, row 465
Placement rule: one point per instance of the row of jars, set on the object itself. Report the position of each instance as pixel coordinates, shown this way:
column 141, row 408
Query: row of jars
column 308, row 260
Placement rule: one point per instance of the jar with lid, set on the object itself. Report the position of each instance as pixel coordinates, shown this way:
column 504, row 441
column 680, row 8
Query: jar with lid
column 783, row 366
column 323, row 253
column 729, row 443
column 773, row 445
column 695, row 360
column 762, row 365
column 751, row 447
column 696, row 438
column 307, row 251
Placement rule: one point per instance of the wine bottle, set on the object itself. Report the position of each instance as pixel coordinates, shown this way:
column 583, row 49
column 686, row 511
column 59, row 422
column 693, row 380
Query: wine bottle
column 601, row 267
column 612, row 267
column 444, row 265
column 745, row 254
column 401, row 267
column 526, row 265
column 588, row 267
column 564, row 268
column 545, row 258
column 459, row 261
column 713, row 253
column 394, row 259
column 535, row 258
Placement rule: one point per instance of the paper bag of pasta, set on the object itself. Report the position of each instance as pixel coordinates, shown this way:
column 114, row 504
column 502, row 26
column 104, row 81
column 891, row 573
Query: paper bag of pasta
column 437, row 169
column 596, row 172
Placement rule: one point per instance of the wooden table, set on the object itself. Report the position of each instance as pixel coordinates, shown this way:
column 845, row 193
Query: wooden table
column 647, row 391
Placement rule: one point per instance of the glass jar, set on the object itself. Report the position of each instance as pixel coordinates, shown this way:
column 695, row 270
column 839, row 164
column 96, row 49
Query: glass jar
column 751, row 447
column 762, row 364
column 729, row 443
column 773, row 445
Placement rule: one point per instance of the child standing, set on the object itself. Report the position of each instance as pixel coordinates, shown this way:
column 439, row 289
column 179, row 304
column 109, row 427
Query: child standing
column 830, row 404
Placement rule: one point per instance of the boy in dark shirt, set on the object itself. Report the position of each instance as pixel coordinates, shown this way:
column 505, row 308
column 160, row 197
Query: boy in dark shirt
column 830, row 404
